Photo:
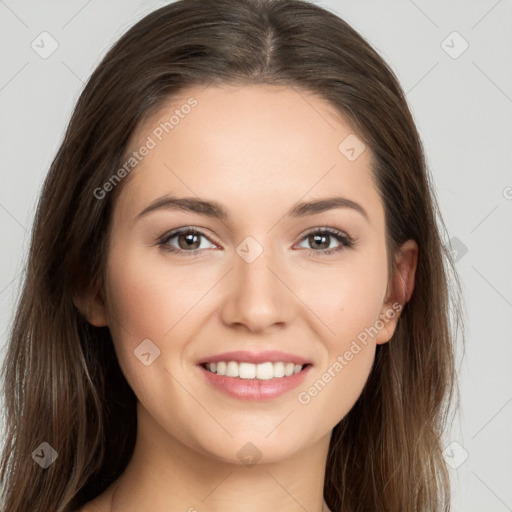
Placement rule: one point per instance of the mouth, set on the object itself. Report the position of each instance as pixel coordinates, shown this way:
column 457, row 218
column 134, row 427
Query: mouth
column 254, row 376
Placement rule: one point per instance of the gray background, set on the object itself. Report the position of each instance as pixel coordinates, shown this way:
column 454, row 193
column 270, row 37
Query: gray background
column 462, row 105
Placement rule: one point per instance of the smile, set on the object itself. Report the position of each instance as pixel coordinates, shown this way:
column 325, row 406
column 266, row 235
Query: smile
column 254, row 376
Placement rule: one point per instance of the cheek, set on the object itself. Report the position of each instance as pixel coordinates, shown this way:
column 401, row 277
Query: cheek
column 148, row 296
column 150, row 299
column 347, row 297
column 351, row 312
column 349, row 302
column 334, row 391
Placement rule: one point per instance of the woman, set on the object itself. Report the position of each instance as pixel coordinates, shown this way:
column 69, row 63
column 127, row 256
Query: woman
column 237, row 294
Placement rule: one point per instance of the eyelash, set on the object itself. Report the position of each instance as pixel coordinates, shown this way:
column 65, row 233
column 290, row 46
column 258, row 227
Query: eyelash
column 346, row 241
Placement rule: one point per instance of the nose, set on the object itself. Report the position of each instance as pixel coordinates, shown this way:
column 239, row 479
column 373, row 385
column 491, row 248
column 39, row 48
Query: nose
column 257, row 295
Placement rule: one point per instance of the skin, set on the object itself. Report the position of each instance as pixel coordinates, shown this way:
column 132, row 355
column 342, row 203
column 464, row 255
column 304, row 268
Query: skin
column 257, row 150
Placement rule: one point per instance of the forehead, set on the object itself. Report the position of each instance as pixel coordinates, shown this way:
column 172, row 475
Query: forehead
column 252, row 142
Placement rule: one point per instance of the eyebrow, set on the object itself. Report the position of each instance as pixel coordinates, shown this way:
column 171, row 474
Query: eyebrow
column 216, row 210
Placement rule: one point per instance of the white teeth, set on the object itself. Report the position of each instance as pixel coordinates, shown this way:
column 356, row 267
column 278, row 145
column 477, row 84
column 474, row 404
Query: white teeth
column 288, row 369
column 221, row 368
column 262, row 371
column 246, row 370
column 265, row 371
column 279, row 369
column 232, row 369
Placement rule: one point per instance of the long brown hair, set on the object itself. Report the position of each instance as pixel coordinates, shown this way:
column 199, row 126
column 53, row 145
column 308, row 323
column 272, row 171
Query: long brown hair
column 63, row 384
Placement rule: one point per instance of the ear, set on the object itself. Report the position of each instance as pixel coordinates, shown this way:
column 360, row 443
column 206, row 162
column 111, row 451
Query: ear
column 90, row 302
column 400, row 288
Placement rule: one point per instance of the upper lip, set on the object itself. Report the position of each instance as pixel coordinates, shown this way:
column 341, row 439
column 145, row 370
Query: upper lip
column 243, row 356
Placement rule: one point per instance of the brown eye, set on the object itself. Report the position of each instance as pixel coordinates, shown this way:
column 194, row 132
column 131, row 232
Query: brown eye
column 189, row 241
column 320, row 240
column 184, row 241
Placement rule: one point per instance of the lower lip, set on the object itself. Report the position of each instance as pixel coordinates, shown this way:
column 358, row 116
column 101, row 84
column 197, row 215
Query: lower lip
column 253, row 389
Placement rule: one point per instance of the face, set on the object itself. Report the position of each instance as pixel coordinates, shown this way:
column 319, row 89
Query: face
column 271, row 280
